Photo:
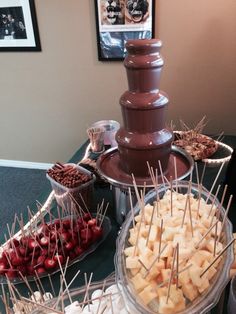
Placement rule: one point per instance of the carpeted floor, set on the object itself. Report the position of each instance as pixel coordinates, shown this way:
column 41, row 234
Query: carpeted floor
column 19, row 188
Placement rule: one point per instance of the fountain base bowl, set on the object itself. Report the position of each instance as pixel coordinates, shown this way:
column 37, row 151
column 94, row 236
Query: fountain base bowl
column 122, row 183
column 109, row 166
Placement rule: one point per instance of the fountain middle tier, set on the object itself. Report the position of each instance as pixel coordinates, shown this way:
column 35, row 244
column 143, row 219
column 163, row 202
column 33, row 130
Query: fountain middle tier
column 136, row 149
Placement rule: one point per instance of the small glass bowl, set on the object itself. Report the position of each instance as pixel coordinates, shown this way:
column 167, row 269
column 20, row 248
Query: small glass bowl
column 204, row 302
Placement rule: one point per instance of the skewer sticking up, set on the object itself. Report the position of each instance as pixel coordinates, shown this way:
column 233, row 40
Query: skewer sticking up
column 162, row 175
column 177, row 266
column 4, row 300
column 171, row 274
column 140, row 197
column 154, row 261
column 63, row 275
column 161, row 232
column 51, row 284
column 186, row 202
column 136, row 191
column 207, row 232
column 214, row 200
column 225, row 215
column 41, row 305
column 103, row 215
column 150, row 226
column 215, row 239
column 131, row 206
column 87, row 284
column 100, row 299
column 154, row 178
column 217, row 257
column 203, row 173
column 171, row 196
column 223, row 195
column 199, row 199
column 176, row 175
column 214, row 183
column 72, row 280
column 197, row 173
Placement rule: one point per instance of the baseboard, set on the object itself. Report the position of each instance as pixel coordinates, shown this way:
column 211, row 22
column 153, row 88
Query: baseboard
column 24, row 164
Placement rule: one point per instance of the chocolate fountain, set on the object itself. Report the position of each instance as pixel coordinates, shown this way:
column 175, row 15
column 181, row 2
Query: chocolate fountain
column 144, row 137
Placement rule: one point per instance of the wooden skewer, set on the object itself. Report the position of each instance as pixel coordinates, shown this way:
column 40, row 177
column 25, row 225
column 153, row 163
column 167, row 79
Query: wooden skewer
column 199, row 199
column 12, row 292
column 175, row 275
column 197, row 173
column 27, row 284
column 176, row 175
column 131, row 206
column 72, row 280
column 218, row 256
column 63, row 275
column 214, row 200
column 203, row 237
column 177, row 266
column 136, row 242
column 103, row 215
column 215, row 239
column 203, row 173
column 162, row 175
column 186, row 203
column 100, row 299
column 39, row 288
column 225, row 215
column 216, row 178
column 87, row 287
column 59, row 294
column 150, row 226
column 42, row 305
column 4, row 299
column 223, row 196
column 154, row 178
column 171, row 275
column 156, row 259
column 112, row 310
column 144, row 266
column 171, row 196
column 51, row 284
column 190, row 215
column 161, row 231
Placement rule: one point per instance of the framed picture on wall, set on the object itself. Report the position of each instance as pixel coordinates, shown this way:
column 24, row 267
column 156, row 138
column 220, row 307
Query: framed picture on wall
column 18, row 26
column 120, row 20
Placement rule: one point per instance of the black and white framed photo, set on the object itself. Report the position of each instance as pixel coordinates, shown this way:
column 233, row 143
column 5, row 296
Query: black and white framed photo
column 18, row 26
column 120, row 20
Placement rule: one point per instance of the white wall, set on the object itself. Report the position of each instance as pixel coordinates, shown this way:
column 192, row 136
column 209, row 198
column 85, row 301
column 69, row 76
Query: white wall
column 49, row 98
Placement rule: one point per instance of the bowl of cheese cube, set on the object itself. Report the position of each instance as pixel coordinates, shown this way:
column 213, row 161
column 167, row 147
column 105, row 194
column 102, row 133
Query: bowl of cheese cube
column 174, row 251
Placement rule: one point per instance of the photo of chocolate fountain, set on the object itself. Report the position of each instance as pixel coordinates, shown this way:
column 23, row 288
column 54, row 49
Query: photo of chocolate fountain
column 143, row 137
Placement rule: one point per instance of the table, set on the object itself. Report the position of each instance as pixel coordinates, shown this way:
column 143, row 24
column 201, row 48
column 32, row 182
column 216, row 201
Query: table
column 101, row 262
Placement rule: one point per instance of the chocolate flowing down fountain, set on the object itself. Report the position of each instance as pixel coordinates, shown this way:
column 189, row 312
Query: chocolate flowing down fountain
column 144, row 137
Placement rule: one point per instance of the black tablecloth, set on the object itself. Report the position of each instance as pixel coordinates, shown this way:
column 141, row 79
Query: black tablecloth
column 100, row 262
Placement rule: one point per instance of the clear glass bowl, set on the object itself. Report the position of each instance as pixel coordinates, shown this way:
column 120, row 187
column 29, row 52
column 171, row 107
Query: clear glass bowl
column 204, row 302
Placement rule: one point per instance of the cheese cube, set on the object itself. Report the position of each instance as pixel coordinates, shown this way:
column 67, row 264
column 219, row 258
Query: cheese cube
column 166, row 308
column 190, row 291
column 148, row 294
column 132, row 262
column 139, row 282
